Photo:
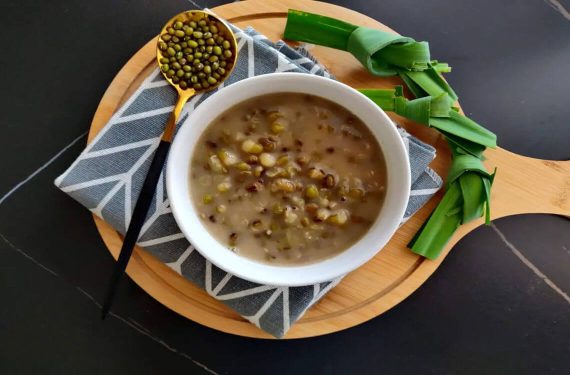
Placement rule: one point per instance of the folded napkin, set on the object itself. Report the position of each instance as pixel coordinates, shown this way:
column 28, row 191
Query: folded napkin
column 107, row 177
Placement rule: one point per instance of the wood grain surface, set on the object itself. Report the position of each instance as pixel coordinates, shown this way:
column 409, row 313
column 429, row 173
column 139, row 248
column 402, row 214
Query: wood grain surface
column 522, row 185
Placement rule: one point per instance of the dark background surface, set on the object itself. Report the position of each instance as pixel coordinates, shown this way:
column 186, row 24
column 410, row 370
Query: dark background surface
column 483, row 311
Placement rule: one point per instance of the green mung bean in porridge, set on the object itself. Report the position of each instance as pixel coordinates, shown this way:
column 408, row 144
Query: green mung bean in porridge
column 288, row 178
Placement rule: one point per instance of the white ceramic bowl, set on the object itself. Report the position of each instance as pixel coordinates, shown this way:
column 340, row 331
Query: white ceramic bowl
column 397, row 190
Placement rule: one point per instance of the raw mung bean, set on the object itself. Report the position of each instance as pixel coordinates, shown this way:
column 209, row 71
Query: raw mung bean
column 200, row 49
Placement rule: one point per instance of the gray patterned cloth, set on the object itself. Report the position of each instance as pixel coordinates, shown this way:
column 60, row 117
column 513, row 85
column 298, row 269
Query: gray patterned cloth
column 107, row 177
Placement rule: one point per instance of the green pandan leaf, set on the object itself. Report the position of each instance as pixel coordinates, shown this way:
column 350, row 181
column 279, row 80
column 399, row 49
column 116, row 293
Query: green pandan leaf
column 440, row 226
column 367, row 46
column 382, row 53
column 317, row 29
column 415, row 89
column 465, row 163
column 441, row 67
column 440, row 106
column 383, row 98
column 464, row 128
column 467, row 196
column 410, row 55
column 417, row 109
column 488, row 182
column 466, row 147
column 473, row 192
column 393, row 100
column 431, row 82
column 461, row 131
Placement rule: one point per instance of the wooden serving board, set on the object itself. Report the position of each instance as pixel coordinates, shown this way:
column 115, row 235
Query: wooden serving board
column 522, row 185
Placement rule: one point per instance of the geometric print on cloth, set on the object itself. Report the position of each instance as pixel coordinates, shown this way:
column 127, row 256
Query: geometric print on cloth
column 108, row 175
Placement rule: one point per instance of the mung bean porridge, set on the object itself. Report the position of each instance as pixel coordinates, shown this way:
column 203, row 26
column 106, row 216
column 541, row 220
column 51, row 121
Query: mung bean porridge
column 287, row 178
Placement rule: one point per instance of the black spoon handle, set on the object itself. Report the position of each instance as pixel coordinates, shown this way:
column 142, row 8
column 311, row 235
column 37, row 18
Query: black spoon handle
column 137, row 221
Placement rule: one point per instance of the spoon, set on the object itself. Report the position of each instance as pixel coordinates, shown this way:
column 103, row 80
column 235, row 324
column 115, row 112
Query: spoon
column 184, row 94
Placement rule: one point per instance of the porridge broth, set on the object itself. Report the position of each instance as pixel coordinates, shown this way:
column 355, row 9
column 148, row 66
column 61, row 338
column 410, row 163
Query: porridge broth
column 287, row 178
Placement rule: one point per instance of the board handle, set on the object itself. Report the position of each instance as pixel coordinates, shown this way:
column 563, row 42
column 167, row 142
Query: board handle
column 528, row 185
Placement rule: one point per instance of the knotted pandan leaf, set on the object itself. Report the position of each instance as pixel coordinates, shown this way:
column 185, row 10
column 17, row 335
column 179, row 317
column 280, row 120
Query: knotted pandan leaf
column 436, row 112
column 381, row 52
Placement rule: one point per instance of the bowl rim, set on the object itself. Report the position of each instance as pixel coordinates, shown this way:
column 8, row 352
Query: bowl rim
column 190, row 224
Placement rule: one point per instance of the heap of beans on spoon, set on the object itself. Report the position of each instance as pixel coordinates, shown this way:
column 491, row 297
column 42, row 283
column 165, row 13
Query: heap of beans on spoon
column 195, row 54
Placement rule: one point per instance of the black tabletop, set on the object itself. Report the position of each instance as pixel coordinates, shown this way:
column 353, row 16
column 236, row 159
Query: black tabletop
column 499, row 303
